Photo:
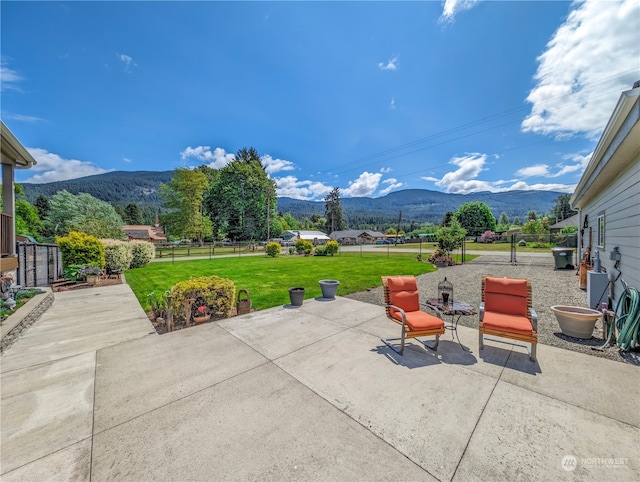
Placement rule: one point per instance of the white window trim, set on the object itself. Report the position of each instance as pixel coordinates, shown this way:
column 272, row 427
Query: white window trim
column 600, row 230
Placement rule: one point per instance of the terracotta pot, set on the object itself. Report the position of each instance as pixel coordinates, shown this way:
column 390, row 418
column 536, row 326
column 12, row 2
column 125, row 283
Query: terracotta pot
column 202, row 319
column 92, row 279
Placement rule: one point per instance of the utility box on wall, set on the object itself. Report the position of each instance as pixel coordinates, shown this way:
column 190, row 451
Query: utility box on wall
column 597, row 289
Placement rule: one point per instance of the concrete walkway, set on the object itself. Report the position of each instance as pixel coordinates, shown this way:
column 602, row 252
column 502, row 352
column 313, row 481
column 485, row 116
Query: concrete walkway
column 90, row 392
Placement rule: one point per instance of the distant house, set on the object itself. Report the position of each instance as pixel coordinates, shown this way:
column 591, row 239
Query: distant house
column 572, row 221
column 316, row 237
column 357, row 236
column 153, row 234
column 14, row 156
column 608, row 196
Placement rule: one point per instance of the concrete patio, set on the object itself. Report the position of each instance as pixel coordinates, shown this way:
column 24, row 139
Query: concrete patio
column 90, row 392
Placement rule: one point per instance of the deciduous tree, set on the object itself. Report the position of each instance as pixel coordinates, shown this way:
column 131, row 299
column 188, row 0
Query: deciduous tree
column 82, row 213
column 184, row 197
column 476, row 218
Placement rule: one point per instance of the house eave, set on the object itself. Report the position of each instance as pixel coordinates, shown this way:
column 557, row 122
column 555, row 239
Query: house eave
column 13, row 152
column 623, row 126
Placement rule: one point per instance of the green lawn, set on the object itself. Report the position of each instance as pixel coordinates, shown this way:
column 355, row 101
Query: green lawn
column 268, row 279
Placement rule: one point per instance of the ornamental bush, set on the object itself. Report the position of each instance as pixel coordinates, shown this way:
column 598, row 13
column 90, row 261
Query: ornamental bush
column 273, row 249
column 216, row 294
column 118, row 255
column 142, row 253
column 332, row 247
column 81, row 249
column 304, row 245
column 320, row 251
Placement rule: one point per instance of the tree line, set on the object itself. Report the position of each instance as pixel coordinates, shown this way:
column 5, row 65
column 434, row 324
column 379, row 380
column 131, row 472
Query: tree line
column 236, row 202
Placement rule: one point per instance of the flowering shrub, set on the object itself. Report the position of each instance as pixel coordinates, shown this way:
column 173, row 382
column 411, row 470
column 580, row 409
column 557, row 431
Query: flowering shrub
column 80, row 249
column 89, row 270
column 118, row 255
column 488, row 237
column 211, row 293
column 304, row 245
column 273, row 249
column 332, row 247
column 142, row 252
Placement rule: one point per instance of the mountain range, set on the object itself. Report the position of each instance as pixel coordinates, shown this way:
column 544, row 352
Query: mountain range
column 418, row 205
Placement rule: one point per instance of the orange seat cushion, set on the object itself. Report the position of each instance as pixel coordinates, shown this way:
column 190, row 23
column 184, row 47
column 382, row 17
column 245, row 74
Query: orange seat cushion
column 506, row 295
column 403, row 293
column 419, row 320
column 508, row 323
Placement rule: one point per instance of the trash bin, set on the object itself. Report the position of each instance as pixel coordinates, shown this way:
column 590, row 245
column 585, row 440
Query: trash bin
column 563, row 258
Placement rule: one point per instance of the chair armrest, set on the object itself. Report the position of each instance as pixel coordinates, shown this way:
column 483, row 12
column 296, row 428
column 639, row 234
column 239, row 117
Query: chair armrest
column 534, row 319
column 434, row 308
column 402, row 312
column 481, row 311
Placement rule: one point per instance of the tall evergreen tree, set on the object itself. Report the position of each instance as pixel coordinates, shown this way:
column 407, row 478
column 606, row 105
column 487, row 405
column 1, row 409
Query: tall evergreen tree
column 333, row 211
column 133, row 214
column 562, row 208
column 43, row 206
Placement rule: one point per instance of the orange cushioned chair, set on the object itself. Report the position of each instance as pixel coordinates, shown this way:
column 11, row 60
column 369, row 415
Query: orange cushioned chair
column 402, row 303
column 506, row 311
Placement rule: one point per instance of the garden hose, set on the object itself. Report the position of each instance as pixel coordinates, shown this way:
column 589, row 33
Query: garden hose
column 627, row 320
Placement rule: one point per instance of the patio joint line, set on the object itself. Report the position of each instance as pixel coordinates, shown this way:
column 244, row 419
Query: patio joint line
column 480, row 416
column 93, row 412
column 208, row 387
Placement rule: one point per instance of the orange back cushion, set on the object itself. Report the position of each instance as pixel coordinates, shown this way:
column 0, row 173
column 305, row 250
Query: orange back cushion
column 506, row 295
column 403, row 292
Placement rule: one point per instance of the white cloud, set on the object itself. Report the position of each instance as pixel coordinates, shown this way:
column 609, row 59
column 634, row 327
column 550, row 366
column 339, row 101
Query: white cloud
column 464, row 179
column 127, row 61
column 9, row 78
column 392, row 185
column 580, row 162
column 272, row 165
column 216, row 159
column 365, row 185
column 392, row 64
column 22, row 118
column 386, row 170
column 589, row 61
column 51, row 167
column 530, row 171
column 392, row 105
column 127, row 160
column 290, row 186
column 452, row 7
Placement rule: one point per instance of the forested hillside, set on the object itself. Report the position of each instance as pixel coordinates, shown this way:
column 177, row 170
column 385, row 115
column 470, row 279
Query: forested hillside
column 418, row 205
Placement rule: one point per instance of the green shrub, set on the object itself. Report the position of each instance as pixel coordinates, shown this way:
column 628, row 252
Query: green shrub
column 273, row 249
column 332, row 247
column 216, row 294
column 142, row 253
column 304, row 245
column 118, row 255
column 320, row 251
column 81, row 248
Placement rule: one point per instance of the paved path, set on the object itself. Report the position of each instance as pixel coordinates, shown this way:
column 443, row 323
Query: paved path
column 90, row 392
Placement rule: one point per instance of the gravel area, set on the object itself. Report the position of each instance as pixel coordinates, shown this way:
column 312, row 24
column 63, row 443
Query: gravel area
column 550, row 287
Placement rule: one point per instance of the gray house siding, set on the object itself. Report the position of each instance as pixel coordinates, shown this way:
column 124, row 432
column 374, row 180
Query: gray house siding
column 620, row 204
column 610, row 187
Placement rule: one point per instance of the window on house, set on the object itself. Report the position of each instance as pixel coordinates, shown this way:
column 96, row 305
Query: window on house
column 601, row 230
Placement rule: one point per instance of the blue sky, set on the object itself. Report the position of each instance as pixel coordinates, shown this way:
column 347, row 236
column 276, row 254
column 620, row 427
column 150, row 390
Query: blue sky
column 371, row 97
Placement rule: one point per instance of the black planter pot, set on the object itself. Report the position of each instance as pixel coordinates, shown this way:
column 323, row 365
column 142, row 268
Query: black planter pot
column 296, row 295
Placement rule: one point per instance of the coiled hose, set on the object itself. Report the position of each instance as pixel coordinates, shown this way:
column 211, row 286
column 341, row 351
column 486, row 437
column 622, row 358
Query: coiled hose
column 627, row 320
